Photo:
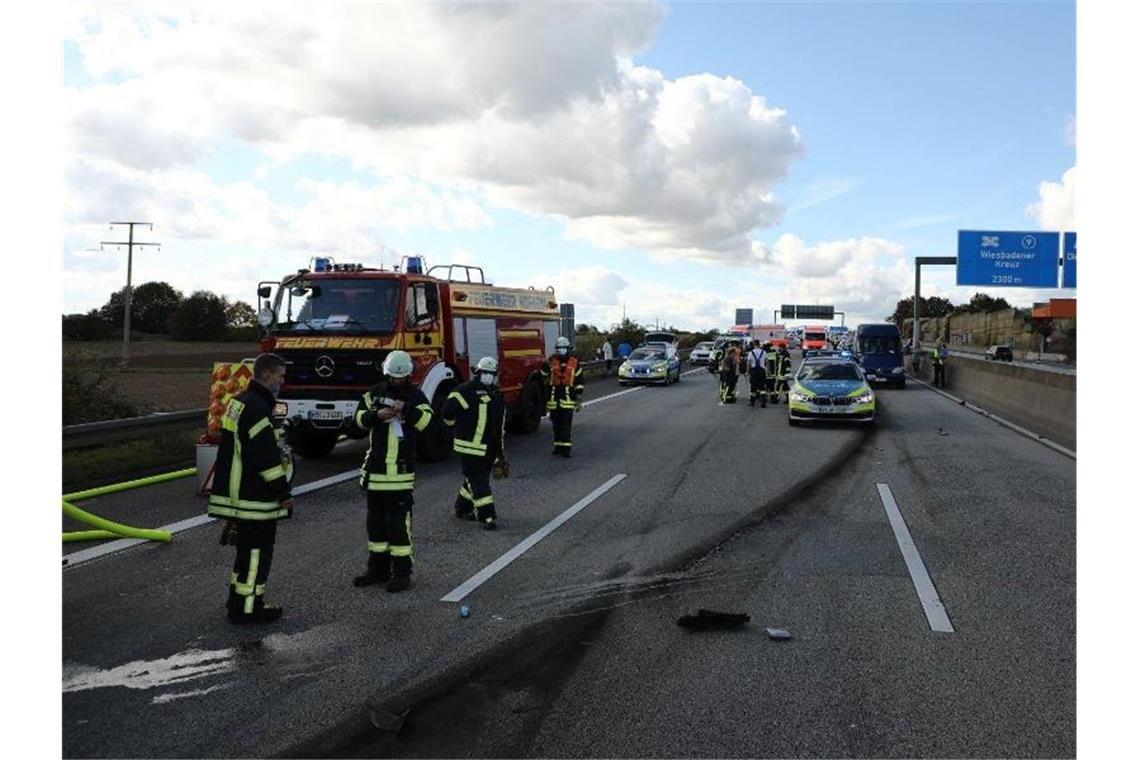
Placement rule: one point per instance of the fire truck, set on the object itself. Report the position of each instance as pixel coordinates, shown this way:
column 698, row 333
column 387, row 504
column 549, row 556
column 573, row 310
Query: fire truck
column 335, row 323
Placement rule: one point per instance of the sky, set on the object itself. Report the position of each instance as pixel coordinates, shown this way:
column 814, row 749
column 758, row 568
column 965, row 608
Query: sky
column 669, row 161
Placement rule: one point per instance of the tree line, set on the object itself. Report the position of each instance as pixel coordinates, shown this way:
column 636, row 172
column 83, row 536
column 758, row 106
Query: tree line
column 159, row 308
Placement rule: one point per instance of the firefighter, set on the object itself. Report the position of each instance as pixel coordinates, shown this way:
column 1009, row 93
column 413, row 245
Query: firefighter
column 938, row 357
column 772, row 369
column 783, row 373
column 477, row 411
column 729, row 373
column 393, row 411
column 757, row 375
column 563, row 378
column 251, row 490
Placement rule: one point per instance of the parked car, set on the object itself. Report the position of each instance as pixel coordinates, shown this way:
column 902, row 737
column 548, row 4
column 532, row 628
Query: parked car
column 651, row 364
column 701, row 353
column 999, row 354
column 878, row 351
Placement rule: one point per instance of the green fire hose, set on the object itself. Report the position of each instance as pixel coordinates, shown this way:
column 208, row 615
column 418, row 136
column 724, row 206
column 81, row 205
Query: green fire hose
column 108, row 528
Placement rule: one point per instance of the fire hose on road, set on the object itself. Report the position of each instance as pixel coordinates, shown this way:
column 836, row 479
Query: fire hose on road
column 108, row 528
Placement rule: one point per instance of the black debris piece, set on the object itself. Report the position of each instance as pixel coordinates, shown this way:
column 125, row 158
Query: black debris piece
column 708, row 619
column 386, row 720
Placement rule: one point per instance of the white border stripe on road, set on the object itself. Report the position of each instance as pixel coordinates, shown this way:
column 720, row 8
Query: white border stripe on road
column 1001, row 421
column 481, row 577
column 927, row 594
column 627, row 390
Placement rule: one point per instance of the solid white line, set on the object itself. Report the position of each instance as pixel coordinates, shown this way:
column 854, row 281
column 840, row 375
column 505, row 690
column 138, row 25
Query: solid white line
column 1001, row 421
column 481, row 577
column 627, row 390
column 927, row 594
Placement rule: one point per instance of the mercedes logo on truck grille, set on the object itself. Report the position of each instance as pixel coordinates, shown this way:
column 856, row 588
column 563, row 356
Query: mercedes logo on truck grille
column 325, row 366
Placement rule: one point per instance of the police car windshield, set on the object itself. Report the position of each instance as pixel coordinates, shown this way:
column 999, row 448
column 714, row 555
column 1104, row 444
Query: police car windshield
column 829, row 371
column 648, row 353
column 355, row 306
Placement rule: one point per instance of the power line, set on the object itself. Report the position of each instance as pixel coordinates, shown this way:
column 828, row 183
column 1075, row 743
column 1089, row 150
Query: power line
column 130, row 244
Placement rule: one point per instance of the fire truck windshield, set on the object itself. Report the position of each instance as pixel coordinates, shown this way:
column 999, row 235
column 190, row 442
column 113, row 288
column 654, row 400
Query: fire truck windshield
column 327, row 305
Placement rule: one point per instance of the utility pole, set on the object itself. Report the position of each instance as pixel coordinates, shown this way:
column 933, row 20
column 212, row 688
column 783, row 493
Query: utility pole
column 130, row 244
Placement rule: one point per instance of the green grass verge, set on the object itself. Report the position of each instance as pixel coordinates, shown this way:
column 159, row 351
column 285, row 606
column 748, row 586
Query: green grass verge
column 82, row 467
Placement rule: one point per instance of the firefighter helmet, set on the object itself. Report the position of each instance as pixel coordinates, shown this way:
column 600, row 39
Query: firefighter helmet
column 562, row 342
column 487, row 364
column 398, row 364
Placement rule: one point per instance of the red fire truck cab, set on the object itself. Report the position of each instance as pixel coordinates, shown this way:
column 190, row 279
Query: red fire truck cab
column 335, row 323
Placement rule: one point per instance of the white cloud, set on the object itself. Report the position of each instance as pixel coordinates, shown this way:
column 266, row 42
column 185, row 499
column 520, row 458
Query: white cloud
column 1057, row 208
column 537, row 106
column 593, row 285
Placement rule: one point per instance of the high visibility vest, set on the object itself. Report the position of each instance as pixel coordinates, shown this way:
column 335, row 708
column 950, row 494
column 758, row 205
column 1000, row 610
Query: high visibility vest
column 563, row 374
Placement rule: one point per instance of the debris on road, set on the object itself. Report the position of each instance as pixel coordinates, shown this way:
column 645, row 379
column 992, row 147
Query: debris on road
column 385, row 720
column 464, row 611
column 778, row 634
column 708, row 619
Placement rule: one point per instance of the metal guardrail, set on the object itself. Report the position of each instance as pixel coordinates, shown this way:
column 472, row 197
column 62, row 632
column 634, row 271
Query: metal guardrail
column 113, row 431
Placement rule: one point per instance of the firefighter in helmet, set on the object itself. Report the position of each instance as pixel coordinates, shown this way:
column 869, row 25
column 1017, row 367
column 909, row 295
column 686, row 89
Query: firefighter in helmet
column 783, row 373
column 477, row 412
column 729, row 373
column 563, row 379
column 393, row 412
column 251, row 489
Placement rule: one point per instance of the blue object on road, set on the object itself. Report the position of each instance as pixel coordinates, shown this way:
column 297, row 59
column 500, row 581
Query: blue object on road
column 1005, row 259
column 464, row 611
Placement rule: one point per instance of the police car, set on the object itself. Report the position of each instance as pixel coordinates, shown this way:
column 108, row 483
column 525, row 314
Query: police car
column 829, row 388
column 655, row 363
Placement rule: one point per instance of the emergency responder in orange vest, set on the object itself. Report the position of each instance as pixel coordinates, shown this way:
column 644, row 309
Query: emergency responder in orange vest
column 393, row 411
column 563, row 378
column 251, row 489
column 729, row 373
column 477, row 411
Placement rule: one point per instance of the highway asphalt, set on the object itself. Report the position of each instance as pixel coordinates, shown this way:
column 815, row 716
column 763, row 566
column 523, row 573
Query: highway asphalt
column 573, row 649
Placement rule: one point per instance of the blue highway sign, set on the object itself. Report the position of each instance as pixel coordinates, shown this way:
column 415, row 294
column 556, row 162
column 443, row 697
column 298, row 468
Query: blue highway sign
column 1069, row 269
column 1008, row 259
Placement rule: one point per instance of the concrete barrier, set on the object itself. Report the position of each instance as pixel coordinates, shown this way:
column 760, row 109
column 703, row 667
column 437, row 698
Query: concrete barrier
column 1041, row 401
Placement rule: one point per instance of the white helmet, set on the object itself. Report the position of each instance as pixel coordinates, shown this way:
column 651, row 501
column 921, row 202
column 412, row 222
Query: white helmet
column 562, row 343
column 397, row 364
column 487, row 364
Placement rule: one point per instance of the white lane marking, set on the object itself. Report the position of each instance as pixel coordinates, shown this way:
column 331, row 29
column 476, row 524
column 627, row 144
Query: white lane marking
column 1001, row 421
column 923, row 586
column 86, row 555
column 635, row 389
column 95, row 552
column 481, row 577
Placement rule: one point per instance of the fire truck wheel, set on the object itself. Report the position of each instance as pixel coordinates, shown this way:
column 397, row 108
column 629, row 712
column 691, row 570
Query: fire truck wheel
column 529, row 414
column 312, row 445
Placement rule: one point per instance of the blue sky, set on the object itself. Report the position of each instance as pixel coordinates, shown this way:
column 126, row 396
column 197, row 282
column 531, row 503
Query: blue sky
column 913, row 121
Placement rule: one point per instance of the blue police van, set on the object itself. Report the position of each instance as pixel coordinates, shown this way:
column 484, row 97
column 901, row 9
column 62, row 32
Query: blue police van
column 878, row 350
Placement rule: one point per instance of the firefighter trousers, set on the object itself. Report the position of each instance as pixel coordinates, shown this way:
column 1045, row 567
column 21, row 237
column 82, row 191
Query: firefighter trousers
column 728, row 386
column 255, row 541
column 563, row 421
column 939, row 374
column 758, row 385
column 475, row 498
column 389, row 525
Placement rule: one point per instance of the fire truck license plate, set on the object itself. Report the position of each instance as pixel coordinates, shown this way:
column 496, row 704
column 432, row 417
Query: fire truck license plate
column 325, row 414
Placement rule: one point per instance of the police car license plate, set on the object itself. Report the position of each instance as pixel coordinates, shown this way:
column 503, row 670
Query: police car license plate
column 325, row 414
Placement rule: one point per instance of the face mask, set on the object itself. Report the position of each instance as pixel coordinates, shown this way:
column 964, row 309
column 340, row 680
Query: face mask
column 486, row 378
column 563, row 351
column 274, row 389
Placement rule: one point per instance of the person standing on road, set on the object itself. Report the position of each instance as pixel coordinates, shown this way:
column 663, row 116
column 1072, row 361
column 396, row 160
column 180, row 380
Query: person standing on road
column 729, row 373
column 757, row 375
column 251, row 489
column 563, row 379
column 608, row 354
column 477, row 411
column 771, row 368
column 938, row 357
column 392, row 412
column 783, row 373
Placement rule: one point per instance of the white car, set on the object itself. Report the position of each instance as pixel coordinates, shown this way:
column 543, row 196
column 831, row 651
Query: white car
column 702, row 353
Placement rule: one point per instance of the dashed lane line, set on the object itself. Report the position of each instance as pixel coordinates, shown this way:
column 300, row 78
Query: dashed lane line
column 484, row 575
column 931, row 603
